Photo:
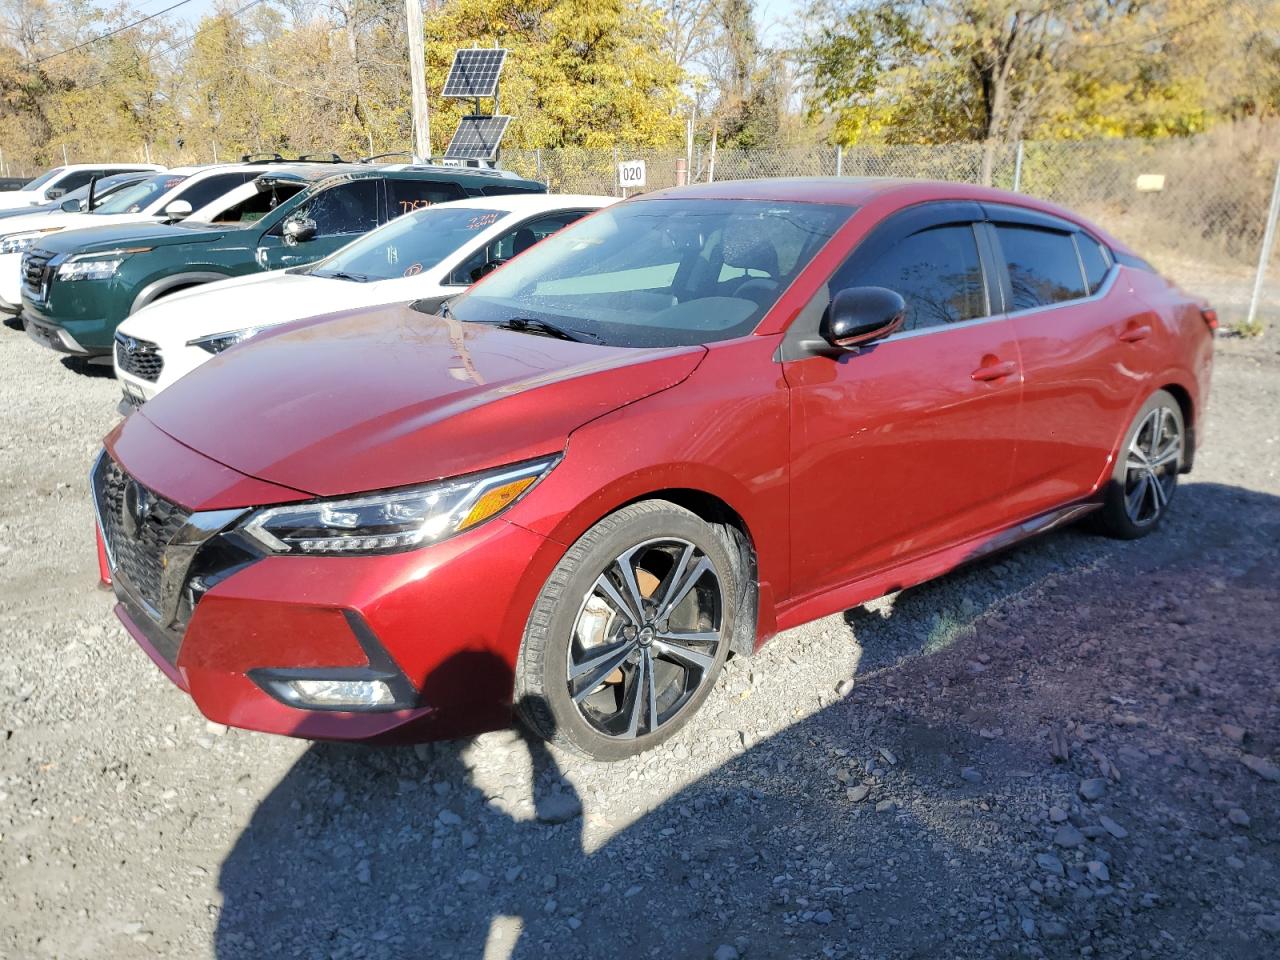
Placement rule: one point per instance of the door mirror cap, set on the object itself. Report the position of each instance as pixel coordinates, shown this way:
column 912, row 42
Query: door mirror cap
column 72, row 206
column 861, row 315
column 299, row 230
column 178, row 210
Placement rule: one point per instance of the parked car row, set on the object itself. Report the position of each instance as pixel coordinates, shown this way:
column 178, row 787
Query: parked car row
column 414, row 472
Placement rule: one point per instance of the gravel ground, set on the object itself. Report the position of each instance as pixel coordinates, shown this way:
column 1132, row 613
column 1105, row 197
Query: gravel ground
column 1068, row 750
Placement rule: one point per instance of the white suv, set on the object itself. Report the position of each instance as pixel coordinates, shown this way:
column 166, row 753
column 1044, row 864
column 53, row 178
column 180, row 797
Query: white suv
column 61, row 180
column 428, row 256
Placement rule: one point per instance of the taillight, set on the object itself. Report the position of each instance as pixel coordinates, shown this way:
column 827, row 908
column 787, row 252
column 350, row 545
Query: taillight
column 1210, row 317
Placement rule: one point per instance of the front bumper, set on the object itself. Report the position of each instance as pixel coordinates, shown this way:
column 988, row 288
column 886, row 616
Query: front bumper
column 55, row 337
column 450, row 617
column 77, row 308
column 11, row 283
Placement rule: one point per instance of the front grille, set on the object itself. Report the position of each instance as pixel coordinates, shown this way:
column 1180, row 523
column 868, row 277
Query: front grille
column 36, row 273
column 140, row 358
column 137, row 526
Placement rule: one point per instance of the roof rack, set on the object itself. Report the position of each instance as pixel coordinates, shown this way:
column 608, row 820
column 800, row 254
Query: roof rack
column 382, row 156
column 265, row 158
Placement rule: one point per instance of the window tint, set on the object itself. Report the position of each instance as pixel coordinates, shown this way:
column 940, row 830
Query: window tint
column 77, row 178
column 937, row 272
column 259, row 205
column 209, row 189
column 511, row 244
column 406, row 195
column 1095, row 260
column 500, row 189
column 1043, row 267
column 348, row 208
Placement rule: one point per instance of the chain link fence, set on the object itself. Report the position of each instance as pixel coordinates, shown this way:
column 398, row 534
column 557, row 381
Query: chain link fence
column 1197, row 207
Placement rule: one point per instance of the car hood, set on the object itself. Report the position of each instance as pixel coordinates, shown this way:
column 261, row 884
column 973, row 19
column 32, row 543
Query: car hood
column 62, row 220
column 390, row 396
column 112, row 235
column 260, row 300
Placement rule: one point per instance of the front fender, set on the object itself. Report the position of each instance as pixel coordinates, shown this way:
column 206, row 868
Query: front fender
column 158, row 288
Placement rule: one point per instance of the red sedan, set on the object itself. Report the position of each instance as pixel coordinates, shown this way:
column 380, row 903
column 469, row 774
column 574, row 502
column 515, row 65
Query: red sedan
column 659, row 437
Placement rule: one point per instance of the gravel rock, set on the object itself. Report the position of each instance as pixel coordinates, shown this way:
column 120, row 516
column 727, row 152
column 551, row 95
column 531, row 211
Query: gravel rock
column 1113, row 828
column 726, row 952
column 970, row 775
column 1093, row 789
column 1051, row 864
column 1262, row 767
column 1238, row 817
column 858, row 793
column 1068, row 836
column 559, row 807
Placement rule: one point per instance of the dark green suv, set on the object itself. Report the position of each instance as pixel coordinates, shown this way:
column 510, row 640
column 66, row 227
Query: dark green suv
column 78, row 286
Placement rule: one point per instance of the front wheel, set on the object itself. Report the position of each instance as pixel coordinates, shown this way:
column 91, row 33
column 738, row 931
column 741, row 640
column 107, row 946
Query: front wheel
column 1146, row 471
column 629, row 633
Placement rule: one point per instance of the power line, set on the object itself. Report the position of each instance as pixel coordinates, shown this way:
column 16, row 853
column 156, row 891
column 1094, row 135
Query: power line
column 111, row 33
column 172, row 47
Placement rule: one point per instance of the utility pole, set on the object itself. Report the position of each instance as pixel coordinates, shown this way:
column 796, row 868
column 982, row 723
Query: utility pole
column 418, row 82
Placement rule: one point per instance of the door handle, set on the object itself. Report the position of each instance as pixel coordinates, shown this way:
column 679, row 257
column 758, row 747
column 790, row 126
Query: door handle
column 1134, row 334
column 995, row 371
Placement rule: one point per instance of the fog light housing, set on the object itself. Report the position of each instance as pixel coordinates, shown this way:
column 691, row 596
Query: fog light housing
column 379, row 687
column 330, row 694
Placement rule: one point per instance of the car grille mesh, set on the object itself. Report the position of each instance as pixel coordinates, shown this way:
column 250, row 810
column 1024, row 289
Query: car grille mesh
column 139, row 358
column 136, row 542
column 35, row 272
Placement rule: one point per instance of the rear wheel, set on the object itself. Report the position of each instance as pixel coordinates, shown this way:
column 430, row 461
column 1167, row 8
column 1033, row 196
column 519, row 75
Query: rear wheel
column 629, row 633
column 1146, row 471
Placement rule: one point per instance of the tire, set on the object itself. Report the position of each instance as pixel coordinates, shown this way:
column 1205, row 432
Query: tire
column 595, row 698
column 1138, row 497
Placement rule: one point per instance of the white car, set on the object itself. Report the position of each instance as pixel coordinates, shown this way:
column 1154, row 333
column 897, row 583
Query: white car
column 61, row 180
column 183, row 192
column 428, row 255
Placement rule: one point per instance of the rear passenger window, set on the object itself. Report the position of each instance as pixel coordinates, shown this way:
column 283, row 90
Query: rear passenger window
column 937, row 272
column 406, row 195
column 1095, row 260
column 1043, row 266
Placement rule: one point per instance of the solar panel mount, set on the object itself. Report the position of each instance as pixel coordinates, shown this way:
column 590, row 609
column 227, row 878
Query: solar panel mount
column 477, row 138
column 474, row 73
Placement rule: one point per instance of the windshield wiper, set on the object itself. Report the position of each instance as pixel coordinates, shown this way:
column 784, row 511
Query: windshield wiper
column 542, row 327
column 342, row 275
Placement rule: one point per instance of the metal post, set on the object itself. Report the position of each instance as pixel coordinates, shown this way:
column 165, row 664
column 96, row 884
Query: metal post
column 616, row 185
column 711, row 164
column 839, row 160
column 688, row 143
column 1017, row 169
column 65, row 161
column 418, row 82
column 1264, row 256
column 537, row 159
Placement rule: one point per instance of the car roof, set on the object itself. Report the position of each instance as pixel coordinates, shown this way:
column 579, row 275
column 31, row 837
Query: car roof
column 860, row 191
column 531, row 202
column 127, row 164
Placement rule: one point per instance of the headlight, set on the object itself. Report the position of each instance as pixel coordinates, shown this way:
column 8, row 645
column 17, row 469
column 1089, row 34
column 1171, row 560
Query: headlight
column 23, row 241
column 217, row 342
column 89, row 269
column 97, row 266
column 398, row 520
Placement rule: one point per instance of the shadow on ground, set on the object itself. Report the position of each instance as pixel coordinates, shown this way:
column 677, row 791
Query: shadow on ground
column 452, row 850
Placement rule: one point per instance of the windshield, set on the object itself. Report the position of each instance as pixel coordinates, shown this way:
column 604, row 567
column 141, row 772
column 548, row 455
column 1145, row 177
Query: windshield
column 409, row 244
column 44, row 178
column 102, row 188
column 140, row 195
column 658, row 272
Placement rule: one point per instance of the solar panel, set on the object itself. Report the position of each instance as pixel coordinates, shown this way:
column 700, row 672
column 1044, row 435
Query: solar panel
column 474, row 73
column 477, row 138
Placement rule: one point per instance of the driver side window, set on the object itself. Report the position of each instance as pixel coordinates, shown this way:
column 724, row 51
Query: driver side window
column 346, row 209
column 937, row 271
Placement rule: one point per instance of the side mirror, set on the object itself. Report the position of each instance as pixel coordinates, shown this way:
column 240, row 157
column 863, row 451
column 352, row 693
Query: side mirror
column 485, row 269
column 861, row 315
column 53, row 193
column 299, row 230
column 178, row 210
column 72, row 206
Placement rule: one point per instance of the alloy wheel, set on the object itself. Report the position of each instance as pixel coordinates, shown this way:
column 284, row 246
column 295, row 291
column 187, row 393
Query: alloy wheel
column 646, row 638
column 1151, row 466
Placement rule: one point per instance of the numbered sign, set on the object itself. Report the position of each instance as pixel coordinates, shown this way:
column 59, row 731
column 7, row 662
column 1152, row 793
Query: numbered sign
column 631, row 174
